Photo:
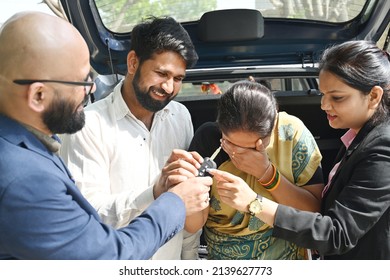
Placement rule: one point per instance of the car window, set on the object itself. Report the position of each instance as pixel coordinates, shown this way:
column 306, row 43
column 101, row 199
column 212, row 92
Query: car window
column 286, row 58
column 204, row 88
column 384, row 42
column 120, row 16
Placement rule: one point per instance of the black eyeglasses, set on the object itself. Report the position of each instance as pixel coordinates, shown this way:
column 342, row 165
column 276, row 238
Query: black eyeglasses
column 87, row 85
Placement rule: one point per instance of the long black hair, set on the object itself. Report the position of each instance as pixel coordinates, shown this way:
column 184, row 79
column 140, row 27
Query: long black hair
column 361, row 65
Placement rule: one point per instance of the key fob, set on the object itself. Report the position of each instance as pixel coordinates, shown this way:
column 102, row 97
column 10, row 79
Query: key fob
column 207, row 163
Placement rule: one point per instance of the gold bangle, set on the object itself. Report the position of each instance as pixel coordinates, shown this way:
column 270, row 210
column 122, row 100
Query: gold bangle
column 265, row 172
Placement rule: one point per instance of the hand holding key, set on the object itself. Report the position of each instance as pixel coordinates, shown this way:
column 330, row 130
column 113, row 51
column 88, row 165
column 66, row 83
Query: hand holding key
column 180, row 166
column 208, row 162
column 195, row 193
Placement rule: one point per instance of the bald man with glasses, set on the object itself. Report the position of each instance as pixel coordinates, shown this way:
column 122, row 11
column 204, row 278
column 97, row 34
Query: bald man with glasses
column 42, row 213
column 87, row 83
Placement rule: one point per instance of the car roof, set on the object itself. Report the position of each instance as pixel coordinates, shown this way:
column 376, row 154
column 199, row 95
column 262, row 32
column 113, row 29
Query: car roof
column 229, row 38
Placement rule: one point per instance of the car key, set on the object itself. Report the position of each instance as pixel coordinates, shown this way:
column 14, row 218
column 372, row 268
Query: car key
column 208, row 162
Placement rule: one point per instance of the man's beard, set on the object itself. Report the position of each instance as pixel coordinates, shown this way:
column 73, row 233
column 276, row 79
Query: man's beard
column 62, row 117
column 145, row 97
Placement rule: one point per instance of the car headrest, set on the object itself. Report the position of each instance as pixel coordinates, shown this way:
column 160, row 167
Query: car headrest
column 231, row 25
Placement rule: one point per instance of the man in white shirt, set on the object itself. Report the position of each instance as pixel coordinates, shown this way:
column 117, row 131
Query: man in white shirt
column 118, row 156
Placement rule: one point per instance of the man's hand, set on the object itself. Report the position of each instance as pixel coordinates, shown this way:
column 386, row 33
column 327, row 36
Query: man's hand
column 194, row 192
column 180, row 166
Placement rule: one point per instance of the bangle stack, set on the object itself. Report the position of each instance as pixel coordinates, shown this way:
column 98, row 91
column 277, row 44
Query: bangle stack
column 274, row 183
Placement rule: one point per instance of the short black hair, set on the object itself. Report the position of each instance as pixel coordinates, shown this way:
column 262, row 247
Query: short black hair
column 156, row 35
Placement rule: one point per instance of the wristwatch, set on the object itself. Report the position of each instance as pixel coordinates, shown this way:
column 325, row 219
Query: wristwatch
column 256, row 206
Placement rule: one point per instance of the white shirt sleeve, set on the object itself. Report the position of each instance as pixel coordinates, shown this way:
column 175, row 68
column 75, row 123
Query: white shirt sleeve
column 88, row 159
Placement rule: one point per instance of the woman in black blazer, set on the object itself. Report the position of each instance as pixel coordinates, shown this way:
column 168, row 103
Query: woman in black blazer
column 354, row 222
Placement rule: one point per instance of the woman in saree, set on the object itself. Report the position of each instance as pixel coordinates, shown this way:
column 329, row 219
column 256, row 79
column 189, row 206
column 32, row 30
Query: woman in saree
column 353, row 223
column 258, row 143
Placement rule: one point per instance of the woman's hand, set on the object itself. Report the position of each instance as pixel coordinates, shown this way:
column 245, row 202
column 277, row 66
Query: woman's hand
column 253, row 161
column 233, row 190
column 237, row 194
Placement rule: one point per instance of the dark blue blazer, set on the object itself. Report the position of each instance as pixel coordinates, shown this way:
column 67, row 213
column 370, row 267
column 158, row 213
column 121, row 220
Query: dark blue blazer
column 44, row 216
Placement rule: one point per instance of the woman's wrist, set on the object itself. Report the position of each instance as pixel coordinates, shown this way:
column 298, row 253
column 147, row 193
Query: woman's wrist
column 267, row 174
column 274, row 180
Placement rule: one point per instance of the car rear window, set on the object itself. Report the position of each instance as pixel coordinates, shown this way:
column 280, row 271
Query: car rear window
column 121, row 15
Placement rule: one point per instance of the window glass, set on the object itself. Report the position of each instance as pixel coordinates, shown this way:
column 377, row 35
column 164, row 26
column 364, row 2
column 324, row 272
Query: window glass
column 217, row 87
column 121, row 15
column 383, row 42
